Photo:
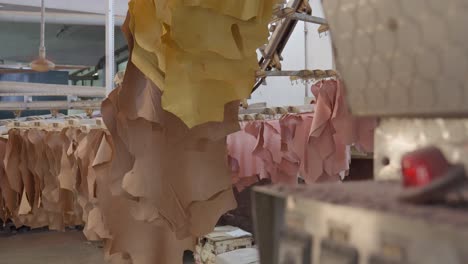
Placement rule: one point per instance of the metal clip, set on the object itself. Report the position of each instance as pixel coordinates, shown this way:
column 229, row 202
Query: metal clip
column 89, row 112
column 305, row 7
column 323, row 29
column 54, row 113
column 17, row 113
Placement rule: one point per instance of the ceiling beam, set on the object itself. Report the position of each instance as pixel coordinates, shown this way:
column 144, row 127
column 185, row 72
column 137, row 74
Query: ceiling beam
column 58, row 18
column 86, row 6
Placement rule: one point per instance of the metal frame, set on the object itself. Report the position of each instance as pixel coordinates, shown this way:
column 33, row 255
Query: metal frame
column 280, row 36
column 296, row 10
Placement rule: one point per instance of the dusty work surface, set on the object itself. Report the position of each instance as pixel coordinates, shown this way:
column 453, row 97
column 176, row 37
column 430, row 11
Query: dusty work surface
column 379, row 196
column 49, row 248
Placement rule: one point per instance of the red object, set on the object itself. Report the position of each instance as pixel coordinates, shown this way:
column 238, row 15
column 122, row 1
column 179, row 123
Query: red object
column 423, row 166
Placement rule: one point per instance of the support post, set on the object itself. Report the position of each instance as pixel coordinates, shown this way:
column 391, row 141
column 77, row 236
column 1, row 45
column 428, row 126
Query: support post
column 110, row 62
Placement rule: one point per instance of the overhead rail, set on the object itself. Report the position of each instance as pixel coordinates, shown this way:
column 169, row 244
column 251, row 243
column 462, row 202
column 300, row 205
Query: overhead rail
column 51, row 105
column 39, row 89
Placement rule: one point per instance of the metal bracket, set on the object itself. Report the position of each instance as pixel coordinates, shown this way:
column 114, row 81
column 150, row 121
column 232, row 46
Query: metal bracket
column 309, row 18
column 323, row 29
column 276, row 62
column 292, row 14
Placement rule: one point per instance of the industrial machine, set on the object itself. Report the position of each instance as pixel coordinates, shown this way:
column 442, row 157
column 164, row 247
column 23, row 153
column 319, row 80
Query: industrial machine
column 404, row 62
column 355, row 223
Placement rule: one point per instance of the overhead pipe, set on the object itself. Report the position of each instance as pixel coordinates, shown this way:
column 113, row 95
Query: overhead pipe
column 58, row 18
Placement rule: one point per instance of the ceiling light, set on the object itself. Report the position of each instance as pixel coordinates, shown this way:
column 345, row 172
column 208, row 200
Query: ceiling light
column 42, row 65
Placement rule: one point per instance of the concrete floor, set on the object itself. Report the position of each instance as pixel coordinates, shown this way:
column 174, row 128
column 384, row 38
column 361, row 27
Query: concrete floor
column 49, row 248
column 44, row 247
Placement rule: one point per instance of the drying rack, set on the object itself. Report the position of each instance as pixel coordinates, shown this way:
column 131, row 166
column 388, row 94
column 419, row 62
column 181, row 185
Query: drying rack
column 50, row 122
column 77, row 97
column 261, row 112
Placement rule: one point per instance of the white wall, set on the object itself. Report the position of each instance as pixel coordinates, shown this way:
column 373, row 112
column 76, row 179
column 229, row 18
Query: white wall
column 279, row 91
column 319, row 47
